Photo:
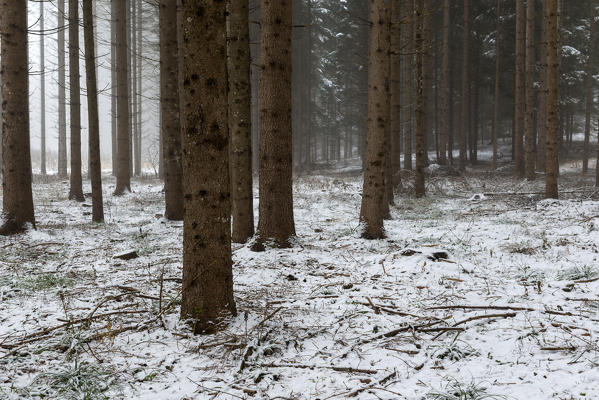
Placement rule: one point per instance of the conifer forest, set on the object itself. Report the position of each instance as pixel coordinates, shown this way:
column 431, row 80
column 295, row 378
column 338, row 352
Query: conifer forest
column 299, row 199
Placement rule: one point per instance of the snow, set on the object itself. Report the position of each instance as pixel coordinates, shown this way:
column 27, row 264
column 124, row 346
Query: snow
column 309, row 314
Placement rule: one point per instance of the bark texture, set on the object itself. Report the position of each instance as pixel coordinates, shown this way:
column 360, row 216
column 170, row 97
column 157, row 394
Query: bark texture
column 395, row 122
column 42, row 92
column 62, row 102
column 76, row 188
column 420, row 113
column 444, row 131
column 95, row 167
column 276, row 195
column 240, row 126
column 519, row 87
column 123, row 176
column 497, row 80
column 169, row 105
column 529, row 120
column 552, row 132
column 17, row 200
column 373, row 190
column 465, row 118
column 207, row 266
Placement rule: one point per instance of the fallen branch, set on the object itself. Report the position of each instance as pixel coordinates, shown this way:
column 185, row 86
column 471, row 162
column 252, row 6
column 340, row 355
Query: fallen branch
column 466, row 307
column 349, row 370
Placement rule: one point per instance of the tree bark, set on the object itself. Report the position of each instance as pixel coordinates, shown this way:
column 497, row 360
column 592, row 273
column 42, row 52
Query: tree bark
column 409, row 84
column 530, row 132
column 17, row 197
column 276, row 194
column 552, row 163
column 395, row 122
column 62, row 113
column 465, row 118
column 589, row 88
column 139, row 102
column 207, row 266
column 240, row 123
column 444, row 133
column 519, row 87
column 113, row 88
column 123, row 178
column 373, row 191
column 95, row 166
column 497, row 80
column 542, row 113
column 421, row 46
column 76, row 188
column 42, row 92
column 169, row 105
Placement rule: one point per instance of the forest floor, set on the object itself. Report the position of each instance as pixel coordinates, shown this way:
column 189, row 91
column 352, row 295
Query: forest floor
column 476, row 293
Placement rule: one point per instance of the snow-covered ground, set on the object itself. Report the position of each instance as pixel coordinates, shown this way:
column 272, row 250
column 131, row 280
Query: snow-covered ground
column 475, row 292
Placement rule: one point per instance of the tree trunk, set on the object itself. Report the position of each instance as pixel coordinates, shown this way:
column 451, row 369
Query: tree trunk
column 169, row 105
column 17, row 198
column 542, row 113
column 207, row 297
column 552, row 164
column 395, row 122
column 589, row 88
column 445, row 85
column 62, row 113
column 76, row 189
column 373, row 191
column 465, row 118
column 113, row 88
column 123, row 178
column 276, row 194
column 530, row 133
column 42, row 92
column 519, row 87
column 240, row 126
column 420, row 131
column 139, row 103
column 95, row 166
column 408, row 88
column 497, row 80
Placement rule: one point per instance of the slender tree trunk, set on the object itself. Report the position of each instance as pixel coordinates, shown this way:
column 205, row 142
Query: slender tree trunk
column 445, row 85
column 113, row 87
column 542, row 114
column 139, row 102
column 497, row 80
column 388, row 141
column 395, row 122
column 519, row 86
column 589, row 88
column 17, row 198
column 409, row 88
column 276, row 194
column 373, row 191
column 95, row 172
column 465, row 118
column 133, row 85
column 76, row 189
column 240, row 125
column 169, row 105
column 62, row 114
column 530, row 133
column 421, row 47
column 552, row 164
column 42, row 92
column 123, row 178
column 207, row 266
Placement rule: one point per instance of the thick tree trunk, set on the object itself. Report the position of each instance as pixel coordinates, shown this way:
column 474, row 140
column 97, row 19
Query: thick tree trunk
column 276, row 194
column 542, row 113
column 373, row 191
column 497, row 80
column 465, row 117
column 409, row 87
column 240, row 126
column 207, row 266
column 62, row 103
column 17, row 198
column 42, row 92
column 420, row 131
column 530, row 132
column 123, row 178
column 589, row 88
column 519, row 87
column 95, row 166
column 169, row 105
column 395, row 122
column 139, row 113
column 76, row 189
column 445, row 85
column 552, row 164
